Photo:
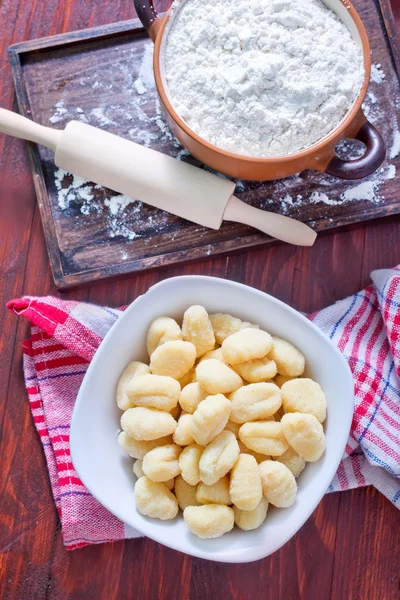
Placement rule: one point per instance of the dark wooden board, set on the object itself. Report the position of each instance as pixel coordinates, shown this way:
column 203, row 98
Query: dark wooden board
column 91, row 76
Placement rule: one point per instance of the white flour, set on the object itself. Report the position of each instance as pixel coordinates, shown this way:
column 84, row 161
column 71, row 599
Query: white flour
column 261, row 77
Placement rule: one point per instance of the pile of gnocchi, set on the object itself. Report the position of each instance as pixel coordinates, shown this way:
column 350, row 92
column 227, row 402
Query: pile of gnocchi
column 220, row 422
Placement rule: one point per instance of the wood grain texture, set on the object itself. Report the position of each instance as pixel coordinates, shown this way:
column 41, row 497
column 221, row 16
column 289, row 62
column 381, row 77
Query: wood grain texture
column 347, row 550
column 94, row 74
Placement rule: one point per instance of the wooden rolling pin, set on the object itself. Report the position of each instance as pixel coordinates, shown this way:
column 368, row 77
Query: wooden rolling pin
column 152, row 177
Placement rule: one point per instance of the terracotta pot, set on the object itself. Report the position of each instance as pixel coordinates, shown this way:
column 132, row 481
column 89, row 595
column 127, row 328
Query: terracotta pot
column 321, row 156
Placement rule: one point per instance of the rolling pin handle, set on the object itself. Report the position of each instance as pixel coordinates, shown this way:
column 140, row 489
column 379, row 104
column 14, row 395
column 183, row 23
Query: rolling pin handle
column 18, row 126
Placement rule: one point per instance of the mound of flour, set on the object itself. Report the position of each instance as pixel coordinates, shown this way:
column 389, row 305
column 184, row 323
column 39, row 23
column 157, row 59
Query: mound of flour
column 261, row 77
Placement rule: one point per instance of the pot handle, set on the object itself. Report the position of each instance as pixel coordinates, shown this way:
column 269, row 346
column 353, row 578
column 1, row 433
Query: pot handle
column 148, row 16
column 368, row 163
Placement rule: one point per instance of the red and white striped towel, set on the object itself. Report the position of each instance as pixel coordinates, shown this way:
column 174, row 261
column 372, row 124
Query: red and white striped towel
column 66, row 334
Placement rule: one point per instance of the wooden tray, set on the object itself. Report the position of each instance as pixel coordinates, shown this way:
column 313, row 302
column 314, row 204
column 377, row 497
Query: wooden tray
column 103, row 76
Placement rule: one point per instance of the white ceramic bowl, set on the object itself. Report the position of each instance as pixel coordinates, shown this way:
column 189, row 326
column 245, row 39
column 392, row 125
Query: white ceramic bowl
column 107, row 471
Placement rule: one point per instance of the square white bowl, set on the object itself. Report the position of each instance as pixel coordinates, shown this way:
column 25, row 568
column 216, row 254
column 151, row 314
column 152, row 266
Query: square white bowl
column 106, row 470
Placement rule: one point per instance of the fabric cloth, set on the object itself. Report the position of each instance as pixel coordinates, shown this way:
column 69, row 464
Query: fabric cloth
column 66, row 334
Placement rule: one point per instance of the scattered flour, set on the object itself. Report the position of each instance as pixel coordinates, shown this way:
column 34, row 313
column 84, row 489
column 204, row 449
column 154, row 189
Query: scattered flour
column 395, row 148
column 377, row 74
column 260, row 78
column 59, row 112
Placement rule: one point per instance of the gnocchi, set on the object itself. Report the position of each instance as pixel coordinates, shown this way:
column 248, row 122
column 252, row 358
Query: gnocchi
column 265, row 437
column 218, row 457
column 137, row 468
column 209, row 521
column 304, row 396
column 245, row 483
column 234, row 427
column 162, row 463
column 189, row 463
column 155, row 500
column 225, row 325
column 256, row 370
column 210, row 418
column 289, row 360
column 174, row 359
column 281, row 379
column 191, row 396
column 246, row 345
column 251, row 519
column 185, row 493
column 197, row 329
column 183, row 433
column 255, row 402
column 217, row 354
column 144, row 424
column 156, row 391
column 220, row 424
column 294, row 462
column 305, row 435
column 134, row 369
column 138, row 449
column 161, row 330
column 278, row 483
column 257, row 455
column 217, row 493
column 216, row 377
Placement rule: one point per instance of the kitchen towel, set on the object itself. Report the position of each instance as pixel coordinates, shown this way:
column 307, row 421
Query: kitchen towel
column 66, row 334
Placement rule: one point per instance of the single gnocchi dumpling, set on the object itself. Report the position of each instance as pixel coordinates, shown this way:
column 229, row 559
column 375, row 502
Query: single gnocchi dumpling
column 137, row 468
column 183, row 433
column 255, row 402
column 146, row 424
column 209, row 521
column 304, row 396
column 218, row 457
column 281, row 379
column 162, row 463
column 257, row 455
column 305, row 434
column 265, row 437
column 156, row 391
column 210, row 418
column 134, row 369
column 289, row 360
column 217, row 354
column 225, row 325
column 161, row 330
column 294, row 462
column 217, row 493
column 138, row 449
column 259, row 369
column 278, row 483
column 185, row 493
column 216, row 377
column 191, row 396
column 155, row 500
column 246, row 345
column 174, row 359
column 189, row 463
column 197, row 329
column 190, row 377
column 233, row 427
column 251, row 519
column 245, row 483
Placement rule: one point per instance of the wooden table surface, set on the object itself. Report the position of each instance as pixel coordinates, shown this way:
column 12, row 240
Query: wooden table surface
column 347, row 550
